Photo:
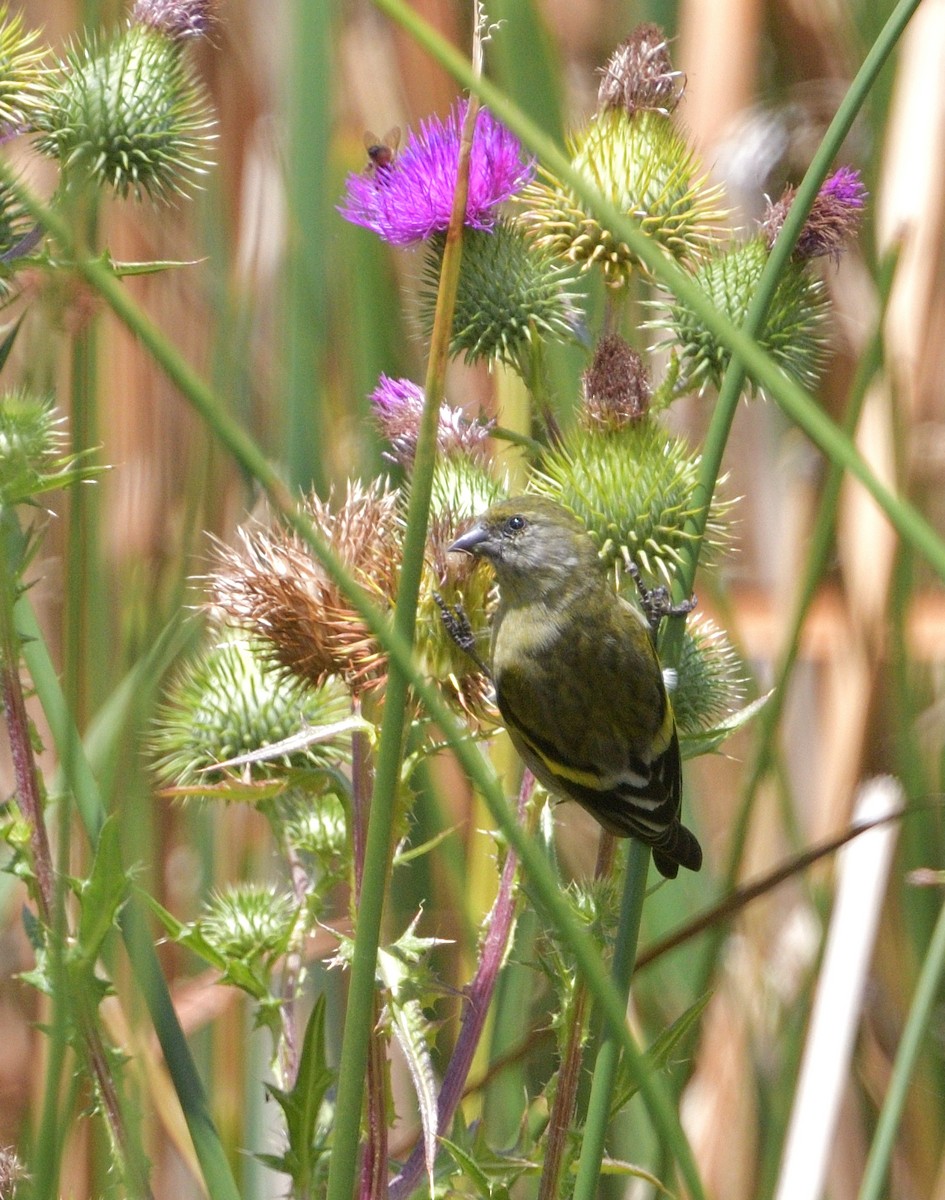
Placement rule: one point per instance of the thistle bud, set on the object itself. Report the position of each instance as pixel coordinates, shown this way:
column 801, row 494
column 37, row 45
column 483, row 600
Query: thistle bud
column 616, row 385
column 794, row 331
column 634, row 489
column 510, row 292
column 127, row 111
column 639, row 76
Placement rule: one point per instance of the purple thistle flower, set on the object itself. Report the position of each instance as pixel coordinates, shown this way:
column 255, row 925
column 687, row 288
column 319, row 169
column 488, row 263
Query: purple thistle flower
column 398, row 407
column 178, row 19
column 410, row 198
column 844, row 187
column 832, row 221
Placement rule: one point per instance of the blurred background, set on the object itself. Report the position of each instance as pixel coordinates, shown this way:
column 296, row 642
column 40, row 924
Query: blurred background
column 292, row 314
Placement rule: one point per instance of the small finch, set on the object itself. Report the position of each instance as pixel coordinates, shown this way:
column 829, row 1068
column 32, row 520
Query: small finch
column 577, row 679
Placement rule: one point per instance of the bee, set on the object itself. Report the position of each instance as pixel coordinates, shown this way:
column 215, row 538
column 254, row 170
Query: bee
column 381, row 152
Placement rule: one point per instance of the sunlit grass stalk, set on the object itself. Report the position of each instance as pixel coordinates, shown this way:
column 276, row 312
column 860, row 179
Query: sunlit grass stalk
column 358, row 1023
column 798, row 404
column 608, row 1055
column 730, row 392
column 875, row 1181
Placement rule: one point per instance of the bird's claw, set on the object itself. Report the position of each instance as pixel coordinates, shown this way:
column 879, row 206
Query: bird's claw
column 457, row 625
column 656, row 602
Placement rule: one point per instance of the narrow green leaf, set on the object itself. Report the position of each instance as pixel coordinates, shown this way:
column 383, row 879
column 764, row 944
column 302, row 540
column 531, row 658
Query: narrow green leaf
column 102, row 895
column 303, row 1102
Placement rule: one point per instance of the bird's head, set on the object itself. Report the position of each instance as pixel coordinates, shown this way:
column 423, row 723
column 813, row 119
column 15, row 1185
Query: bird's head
column 534, row 545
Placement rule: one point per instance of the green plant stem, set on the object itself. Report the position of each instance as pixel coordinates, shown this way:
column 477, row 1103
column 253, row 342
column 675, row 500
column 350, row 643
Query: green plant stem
column 796, row 403
column 608, row 1056
column 567, row 1083
column 359, row 1022
column 874, row 1185
column 51, row 912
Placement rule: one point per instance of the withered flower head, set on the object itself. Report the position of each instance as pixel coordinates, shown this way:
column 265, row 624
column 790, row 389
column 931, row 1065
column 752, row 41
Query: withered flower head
column 640, row 75
column 832, row 222
column 273, row 586
column 616, row 387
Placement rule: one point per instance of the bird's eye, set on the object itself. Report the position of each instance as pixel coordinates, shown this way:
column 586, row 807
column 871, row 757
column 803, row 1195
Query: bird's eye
column 514, row 524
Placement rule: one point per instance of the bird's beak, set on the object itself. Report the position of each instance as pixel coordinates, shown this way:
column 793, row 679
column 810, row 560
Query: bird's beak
column 471, row 540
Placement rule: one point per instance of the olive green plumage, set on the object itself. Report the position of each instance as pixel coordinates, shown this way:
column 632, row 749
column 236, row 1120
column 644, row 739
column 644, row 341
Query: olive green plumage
column 577, row 679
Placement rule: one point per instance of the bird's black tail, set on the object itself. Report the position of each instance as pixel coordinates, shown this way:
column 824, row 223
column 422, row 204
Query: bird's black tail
column 678, row 848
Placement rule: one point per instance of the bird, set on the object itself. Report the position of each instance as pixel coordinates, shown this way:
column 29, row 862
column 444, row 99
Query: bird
column 577, row 680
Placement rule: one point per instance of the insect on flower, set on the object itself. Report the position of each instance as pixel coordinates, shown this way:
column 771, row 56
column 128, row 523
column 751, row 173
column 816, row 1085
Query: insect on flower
column 381, row 151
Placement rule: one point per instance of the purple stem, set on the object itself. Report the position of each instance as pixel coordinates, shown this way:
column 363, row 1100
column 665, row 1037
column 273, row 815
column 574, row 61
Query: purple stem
column 479, row 996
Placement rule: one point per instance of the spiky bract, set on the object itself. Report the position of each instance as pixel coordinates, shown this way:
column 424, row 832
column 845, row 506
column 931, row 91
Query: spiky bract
column 228, row 701
column 710, row 678
column 634, row 489
column 128, row 112
column 645, row 168
column 510, row 292
column 277, row 590
column 794, row 330
column 24, row 81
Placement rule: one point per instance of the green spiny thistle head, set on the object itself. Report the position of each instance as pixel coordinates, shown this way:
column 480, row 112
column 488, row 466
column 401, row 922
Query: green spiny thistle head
column 24, row 80
column 127, row 112
column 229, row 701
column 794, row 329
column 633, row 488
column 31, row 440
column 510, row 292
column 710, row 678
column 249, row 922
column 316, row 827
column 645, row 168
